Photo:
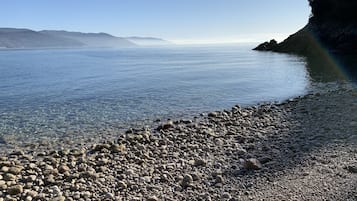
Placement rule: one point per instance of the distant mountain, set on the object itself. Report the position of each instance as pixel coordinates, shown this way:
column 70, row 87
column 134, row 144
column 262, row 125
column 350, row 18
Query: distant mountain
column 92, row 39
column 26, row 38
column 148, row 41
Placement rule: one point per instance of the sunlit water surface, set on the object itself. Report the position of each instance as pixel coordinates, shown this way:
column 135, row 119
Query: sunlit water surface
column 97, row 92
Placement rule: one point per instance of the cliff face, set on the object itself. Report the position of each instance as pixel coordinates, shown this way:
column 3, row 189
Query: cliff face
column 332, row 26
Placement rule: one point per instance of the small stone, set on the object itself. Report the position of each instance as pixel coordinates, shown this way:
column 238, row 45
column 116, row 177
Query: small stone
column 116, row 148
column 9, row 177
column 187, row 180
column 219, row 179
column 129, row 172
column 15, row 170
column 32, row 165
column 63, row 168
column 5, row 169
column 109, row 196
column 241, row 151
column 252, row 164
column 226, row 196
column 352, row 169
column 86, row 194
column 3, row 185
column 152, row 198
column 89, row 174
column 101, row 147
column 31, row 193
column 102, row 162
column 28, row 198
column 31, row 178
column 18, row 153
column 15, row 190
column 210, row 132
column 200, row 162
column 213, row 114
column 167, row 125
column 122, row 184
column 195, row 176
column 59, row 198
column 50, row 179
column 56, row 190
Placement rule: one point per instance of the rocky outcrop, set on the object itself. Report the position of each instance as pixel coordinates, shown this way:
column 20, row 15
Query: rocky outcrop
column 332, row 26
column 267, row 46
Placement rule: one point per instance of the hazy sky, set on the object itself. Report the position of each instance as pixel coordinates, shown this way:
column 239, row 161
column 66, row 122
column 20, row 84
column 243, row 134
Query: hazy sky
column 182, row 21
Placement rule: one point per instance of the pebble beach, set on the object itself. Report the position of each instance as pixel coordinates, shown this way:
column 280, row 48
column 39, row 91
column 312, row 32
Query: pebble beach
column 302, row 149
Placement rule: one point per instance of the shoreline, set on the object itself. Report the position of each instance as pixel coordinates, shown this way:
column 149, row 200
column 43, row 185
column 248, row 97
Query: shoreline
column 272, row 151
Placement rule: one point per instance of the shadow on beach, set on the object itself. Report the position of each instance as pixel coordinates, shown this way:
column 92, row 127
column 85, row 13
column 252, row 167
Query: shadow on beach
column 315, row 157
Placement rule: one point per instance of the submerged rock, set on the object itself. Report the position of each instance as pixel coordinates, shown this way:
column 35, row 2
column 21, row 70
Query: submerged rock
column 2, row 140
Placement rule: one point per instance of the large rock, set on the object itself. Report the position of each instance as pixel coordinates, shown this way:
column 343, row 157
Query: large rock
column 267, row 46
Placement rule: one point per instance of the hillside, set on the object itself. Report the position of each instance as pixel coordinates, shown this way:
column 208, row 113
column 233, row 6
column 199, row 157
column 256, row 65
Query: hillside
column 332, row 26
column 92, row 39
column 25, row 38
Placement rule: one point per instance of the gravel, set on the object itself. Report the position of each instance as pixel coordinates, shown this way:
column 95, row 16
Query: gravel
column 302, row 149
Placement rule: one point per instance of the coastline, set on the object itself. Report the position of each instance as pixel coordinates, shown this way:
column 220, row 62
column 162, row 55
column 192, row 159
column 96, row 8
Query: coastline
column 304, row 148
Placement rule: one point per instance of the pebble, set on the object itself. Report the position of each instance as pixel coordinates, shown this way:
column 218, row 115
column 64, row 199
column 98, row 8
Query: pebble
column 122, row 185
column 63, row 168
column 59, row 198
column 219, row 179
column 200, row 162
column 150, row 164
column 252, row 164
column 169, row 124
column 213, row 114
column 9, row 177
column 5, row 169
column 152, row 198
column 109, row 196
column 15, row 190
column 15, row 170
column 187, row 180
column 117, row 148
column 50, row 179
column 226, row 196
column 352, row 169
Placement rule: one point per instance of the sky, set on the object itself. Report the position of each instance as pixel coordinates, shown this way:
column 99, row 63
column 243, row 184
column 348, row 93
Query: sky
column 180, row 21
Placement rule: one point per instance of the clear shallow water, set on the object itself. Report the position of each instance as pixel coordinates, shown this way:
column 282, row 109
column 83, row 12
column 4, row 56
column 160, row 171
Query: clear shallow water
column 69, row 93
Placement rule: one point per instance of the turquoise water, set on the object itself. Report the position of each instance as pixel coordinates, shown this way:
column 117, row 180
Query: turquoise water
column 73, row 92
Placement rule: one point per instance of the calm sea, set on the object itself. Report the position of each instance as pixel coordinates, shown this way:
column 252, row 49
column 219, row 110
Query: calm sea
column 56, row 93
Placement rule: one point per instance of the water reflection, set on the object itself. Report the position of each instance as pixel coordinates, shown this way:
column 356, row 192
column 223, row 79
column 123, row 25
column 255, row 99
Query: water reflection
column 328, row 68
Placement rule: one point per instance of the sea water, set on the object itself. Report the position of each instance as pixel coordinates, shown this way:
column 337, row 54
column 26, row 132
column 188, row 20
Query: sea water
column 58, row 93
